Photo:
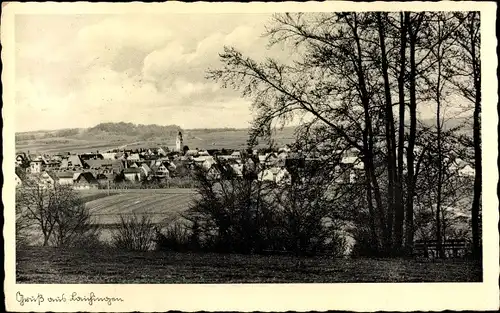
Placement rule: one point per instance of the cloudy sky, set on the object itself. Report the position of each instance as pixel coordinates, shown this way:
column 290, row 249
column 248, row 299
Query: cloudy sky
column 80, row 70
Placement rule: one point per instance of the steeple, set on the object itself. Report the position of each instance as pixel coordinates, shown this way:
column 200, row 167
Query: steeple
column 179, row 142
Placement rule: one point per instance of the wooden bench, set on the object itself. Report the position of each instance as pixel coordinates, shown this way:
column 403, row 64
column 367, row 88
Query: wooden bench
column 452, row 248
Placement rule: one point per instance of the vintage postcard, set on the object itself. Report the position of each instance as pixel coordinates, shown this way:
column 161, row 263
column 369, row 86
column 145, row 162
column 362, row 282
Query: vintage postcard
column 250, row 156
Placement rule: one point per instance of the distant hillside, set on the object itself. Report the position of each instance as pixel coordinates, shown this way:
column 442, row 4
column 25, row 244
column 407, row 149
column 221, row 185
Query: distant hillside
column 105, row 131
column 107, row 136
column 138, row 131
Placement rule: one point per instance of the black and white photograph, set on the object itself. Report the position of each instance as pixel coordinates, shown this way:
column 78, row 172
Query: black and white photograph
column 175, row 145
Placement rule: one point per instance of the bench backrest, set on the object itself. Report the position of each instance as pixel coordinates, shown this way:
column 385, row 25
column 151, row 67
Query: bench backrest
column 453, row 243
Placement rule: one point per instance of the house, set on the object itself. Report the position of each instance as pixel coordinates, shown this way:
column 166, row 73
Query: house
column 154, row 162
column 91, row 156
column 105, row 177
column 270, row 159
column 171, row 166
column 265, row 175
column 203, row 153
column 18, row 181
column 146, row 170
column 213, row 173
column 52, row 165
column 202, row 158
column 162, row 151
column 85, row 180
column 48, row 178
column 56, row 158
column 109, row 155
column 73, row 161
column 465, row 171
column 161, row 170
column 19, row 177
column 37, row 166
column 205, row 161
column 132, row 174
column 237, row 169
column 105, row 166
column 353, row 161
column 207, row 164
column 191, row 153
column 65, row 178
column 236, row 155
column 283, row 176
column 250, row 164
column 121, row 155
column 134, row 157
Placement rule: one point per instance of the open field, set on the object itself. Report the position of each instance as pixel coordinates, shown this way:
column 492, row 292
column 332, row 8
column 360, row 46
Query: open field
column 50, row 265
column 161, row 206
column 63, row 145
column 195, row 138
column 158, row 204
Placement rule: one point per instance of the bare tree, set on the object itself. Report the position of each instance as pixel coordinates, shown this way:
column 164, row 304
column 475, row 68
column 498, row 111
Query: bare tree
column 466, row 77
column 343, row 103
column 73, row 223
column 36, row 203
column 54, row 210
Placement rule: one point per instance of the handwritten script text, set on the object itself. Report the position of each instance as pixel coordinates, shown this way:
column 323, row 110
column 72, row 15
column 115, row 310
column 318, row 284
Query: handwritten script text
column 90, row 298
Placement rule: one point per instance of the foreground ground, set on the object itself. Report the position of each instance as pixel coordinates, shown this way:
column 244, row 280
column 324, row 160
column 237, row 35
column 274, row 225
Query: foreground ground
column 49, row 265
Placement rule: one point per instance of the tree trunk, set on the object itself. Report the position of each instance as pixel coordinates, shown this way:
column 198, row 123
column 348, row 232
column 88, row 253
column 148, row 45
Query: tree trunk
column 411, row 140
column 440, row 173
column 439, row 148
column 476, row 202
column 373, row 229
column 389, row 135
column 45, row 240
column 368, row 134
column 399, row 218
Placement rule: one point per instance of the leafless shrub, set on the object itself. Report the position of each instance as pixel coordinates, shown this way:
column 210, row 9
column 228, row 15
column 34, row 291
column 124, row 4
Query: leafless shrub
column 174, row 237
column 134, row 233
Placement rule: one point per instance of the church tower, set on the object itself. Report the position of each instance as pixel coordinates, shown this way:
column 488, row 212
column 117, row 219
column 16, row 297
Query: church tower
column 178, row 142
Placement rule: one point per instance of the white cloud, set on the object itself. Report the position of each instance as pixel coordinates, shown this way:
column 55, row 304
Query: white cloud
column 141, row 69
column 107, row 38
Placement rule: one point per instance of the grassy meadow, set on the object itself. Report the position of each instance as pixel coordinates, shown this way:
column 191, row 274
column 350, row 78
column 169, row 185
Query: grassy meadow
column 108, row 265
column 105, row 266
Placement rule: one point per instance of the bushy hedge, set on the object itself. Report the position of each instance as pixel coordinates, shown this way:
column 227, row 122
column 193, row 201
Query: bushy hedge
column 236, row 215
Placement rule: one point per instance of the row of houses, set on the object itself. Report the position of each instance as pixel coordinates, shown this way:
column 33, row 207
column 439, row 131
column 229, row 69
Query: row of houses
column 137, row 166
column 78, row 180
